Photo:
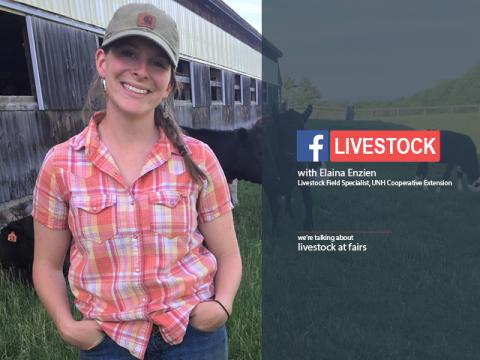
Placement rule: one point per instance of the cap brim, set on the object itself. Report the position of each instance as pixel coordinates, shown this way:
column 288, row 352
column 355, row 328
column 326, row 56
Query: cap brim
column 153, row 37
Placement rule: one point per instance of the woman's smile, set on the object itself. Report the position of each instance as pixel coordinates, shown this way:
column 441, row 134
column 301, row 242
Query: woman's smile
column 135, row 89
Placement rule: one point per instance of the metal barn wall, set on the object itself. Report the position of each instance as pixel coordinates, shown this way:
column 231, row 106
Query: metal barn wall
column 66, row 63
column 199, row 39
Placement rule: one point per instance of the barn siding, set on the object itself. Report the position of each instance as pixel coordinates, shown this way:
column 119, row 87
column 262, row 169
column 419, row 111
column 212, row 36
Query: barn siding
column 183, row 114
column 26, row 137
column 201, row 117
column 228, row 117
column 246, row 90
column 66, row 63
column 241, row 114
column 201, row 85
column 229, row 82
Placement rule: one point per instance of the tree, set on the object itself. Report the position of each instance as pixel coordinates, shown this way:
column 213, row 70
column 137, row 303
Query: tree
column 299, row 95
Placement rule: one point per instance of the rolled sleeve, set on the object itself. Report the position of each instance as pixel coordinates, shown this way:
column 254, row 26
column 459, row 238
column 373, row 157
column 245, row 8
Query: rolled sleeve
column 214, row 198
column 49, row 206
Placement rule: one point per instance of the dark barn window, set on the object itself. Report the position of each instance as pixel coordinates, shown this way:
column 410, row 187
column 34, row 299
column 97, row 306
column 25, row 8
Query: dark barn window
column 183, row 78
column 253, row 90
column 216, row 88
column 238, row 89
column 15, row 67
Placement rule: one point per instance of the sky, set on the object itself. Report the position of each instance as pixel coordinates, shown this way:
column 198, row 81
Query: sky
column 374, row 49
column 250, row 10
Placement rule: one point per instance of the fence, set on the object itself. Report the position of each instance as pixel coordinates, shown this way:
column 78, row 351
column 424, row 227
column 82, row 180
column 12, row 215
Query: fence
column 339, row 113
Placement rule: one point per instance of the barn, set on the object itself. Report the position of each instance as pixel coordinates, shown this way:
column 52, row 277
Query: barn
column 48, row 66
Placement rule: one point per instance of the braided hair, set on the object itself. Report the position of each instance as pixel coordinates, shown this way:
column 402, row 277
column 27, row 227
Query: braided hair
column 165, row 120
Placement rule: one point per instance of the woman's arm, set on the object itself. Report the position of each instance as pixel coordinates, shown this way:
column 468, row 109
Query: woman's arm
column 222, row 242
column 51, row 246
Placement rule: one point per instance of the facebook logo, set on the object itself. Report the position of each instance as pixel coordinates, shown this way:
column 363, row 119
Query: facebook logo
column 312, row 145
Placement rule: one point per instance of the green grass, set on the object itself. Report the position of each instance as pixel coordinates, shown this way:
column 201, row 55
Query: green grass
column 26, row 331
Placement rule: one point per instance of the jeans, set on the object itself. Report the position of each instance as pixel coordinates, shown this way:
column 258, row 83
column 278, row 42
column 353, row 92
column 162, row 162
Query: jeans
column 196, row 345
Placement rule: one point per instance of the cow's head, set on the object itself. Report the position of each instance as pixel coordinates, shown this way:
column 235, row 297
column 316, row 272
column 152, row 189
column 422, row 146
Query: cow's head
column 287, row 124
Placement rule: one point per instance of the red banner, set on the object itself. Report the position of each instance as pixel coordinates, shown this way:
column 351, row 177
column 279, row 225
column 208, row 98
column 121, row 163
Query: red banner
column 385, row 145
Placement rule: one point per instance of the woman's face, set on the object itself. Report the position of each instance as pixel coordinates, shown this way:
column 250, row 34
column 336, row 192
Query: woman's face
column 137, row 74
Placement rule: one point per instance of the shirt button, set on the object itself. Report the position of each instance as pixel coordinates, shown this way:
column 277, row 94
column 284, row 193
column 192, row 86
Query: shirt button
column 137, row 269
column 144, row 299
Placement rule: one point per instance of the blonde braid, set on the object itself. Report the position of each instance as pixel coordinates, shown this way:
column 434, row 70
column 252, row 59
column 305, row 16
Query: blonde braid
column 95, row 99
column 165, row 119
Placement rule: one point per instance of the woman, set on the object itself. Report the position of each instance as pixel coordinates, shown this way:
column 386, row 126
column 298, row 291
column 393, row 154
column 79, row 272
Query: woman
column 154, row 259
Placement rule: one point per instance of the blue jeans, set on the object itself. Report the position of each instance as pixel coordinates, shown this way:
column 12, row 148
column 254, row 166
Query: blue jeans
column 196, row 345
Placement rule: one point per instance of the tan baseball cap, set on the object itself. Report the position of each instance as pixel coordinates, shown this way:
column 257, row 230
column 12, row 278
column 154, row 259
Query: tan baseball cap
column 144, row 20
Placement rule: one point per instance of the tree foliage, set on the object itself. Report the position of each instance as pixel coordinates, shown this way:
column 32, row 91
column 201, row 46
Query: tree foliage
column 299, row 94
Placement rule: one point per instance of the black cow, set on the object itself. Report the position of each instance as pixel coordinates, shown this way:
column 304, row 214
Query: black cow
column 16, row 249
column 459, row 152
column 238, row 151
column 280, row 158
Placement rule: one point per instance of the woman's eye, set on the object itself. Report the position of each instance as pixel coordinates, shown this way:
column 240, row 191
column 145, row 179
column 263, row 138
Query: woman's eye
column 127, row 53
column 160, row 63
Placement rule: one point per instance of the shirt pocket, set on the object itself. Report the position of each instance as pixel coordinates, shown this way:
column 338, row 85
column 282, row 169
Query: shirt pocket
column 168, row 213
column 96, row 217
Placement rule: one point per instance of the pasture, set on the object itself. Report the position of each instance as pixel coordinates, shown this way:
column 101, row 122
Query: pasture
column 26, row 332
column 415, row 292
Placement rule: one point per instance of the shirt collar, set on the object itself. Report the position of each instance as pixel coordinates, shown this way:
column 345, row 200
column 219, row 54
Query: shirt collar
column 89, row 140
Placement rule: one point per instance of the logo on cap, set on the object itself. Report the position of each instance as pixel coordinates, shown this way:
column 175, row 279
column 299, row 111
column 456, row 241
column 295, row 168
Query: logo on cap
column 146, row 20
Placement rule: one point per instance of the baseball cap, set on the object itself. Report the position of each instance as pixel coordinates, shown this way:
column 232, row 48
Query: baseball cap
column 144, row 20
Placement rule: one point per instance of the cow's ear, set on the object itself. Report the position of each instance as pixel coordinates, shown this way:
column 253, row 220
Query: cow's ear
column 242, row 135
column 307, row 112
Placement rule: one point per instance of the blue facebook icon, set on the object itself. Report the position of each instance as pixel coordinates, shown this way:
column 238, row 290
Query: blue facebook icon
column 312, row 145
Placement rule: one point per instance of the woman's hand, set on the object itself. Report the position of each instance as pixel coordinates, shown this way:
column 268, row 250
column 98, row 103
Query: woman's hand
column 208, row 316
column 83, row 334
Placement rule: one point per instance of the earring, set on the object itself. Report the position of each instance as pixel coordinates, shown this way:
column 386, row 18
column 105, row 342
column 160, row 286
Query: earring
column 104, row 84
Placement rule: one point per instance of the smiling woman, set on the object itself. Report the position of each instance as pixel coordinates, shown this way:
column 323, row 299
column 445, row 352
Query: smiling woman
column 139, row 75
column 155, row 264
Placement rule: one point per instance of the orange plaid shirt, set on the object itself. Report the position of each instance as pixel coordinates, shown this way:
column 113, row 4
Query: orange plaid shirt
column 137, row 256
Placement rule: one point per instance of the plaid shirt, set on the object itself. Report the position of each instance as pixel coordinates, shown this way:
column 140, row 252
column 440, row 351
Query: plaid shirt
column 137, row 258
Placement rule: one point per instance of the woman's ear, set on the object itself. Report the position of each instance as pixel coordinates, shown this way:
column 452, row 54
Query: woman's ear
column 100, row 56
